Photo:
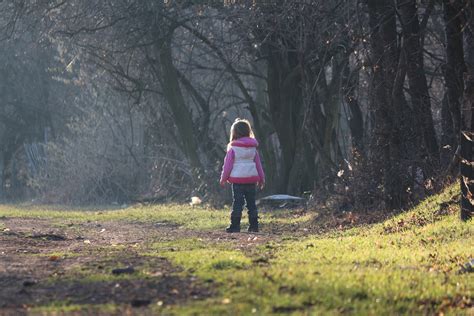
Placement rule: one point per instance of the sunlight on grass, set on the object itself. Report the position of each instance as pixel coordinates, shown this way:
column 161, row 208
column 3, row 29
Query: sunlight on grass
column 407, row 265
column 60, row 308
column 362, row 271
column 198, row 218
column 193, row 218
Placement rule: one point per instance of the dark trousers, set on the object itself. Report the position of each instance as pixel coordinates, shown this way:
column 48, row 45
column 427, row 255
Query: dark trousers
column 244, row 194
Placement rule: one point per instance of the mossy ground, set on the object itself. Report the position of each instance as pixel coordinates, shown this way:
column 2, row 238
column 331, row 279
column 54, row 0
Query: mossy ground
column 408, row 264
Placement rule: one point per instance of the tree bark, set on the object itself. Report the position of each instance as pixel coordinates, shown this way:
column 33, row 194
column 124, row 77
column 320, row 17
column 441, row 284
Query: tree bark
column 467, row 122
column 285, row 97
column 182, row 116
column 356, row 119
column 453, row 70
column 388, row 104
column 418, row 86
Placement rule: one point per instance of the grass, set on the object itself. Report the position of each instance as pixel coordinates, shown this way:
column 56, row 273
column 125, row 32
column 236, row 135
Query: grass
column 408, row 264
column 187, row 216
column 371, row 270
column 196, row 218
column 59, row 308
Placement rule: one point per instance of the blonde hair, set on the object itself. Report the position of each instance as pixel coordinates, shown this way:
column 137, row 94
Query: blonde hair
column 240, row 128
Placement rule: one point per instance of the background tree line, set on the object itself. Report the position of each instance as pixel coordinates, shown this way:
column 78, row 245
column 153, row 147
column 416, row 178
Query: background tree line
column 132, row 100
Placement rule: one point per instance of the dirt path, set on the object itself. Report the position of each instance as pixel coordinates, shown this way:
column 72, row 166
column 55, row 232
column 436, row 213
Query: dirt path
column 43, row 261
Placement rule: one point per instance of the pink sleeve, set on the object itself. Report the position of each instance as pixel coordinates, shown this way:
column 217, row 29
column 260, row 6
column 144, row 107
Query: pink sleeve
column 259, row 167
column 228, row 164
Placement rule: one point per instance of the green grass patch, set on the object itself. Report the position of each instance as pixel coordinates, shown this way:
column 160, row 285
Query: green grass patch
column 210, row 263
column 366, row 270
column 63, row 307
column 195, row 218
column 407, row 265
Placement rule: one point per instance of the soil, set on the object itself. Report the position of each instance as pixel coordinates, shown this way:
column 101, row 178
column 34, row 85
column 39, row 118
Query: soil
column 42, row 262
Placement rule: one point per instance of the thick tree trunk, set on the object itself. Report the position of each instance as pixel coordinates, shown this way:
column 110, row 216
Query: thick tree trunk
column 388, row 104
column 468, row 97
column 332, row 103
column 285, row 97
column 181, row 114
column 418, row 86
column 453, row 71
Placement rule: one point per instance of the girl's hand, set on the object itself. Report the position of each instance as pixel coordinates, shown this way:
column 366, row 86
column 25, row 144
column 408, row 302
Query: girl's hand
column 261, row 185
column 222, row 183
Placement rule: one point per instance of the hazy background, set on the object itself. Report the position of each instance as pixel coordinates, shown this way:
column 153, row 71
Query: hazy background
column 131, row 100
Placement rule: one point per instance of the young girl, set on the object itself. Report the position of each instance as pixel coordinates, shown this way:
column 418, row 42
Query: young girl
column 242, row 168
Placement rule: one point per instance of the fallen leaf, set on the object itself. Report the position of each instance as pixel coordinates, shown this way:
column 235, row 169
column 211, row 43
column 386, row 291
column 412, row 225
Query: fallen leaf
column 53, row 258
column 226, row 301
column 87, row 241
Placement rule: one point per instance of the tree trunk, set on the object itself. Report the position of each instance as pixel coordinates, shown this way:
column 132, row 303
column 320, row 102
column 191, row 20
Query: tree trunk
column 418, row 86
column 356, row 119
column 285, row 97
column 181, row 114
column 467, row 122
column 453, row 71
column 388, row 104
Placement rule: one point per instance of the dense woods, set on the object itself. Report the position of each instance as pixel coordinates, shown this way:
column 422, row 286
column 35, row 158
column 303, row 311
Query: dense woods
column 131, row 100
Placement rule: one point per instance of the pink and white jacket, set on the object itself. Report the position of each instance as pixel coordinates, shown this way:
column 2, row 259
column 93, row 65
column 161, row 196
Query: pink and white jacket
column 242, row 162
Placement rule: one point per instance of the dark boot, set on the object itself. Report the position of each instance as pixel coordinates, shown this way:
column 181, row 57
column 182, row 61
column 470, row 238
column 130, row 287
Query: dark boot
column 253, row 228
column 234, row 225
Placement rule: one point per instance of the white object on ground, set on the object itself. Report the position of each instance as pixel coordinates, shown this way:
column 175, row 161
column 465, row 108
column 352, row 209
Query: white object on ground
column 195, row 200
column 282, row 197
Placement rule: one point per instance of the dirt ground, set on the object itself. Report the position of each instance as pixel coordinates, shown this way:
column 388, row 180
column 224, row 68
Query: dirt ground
column 42, row 261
